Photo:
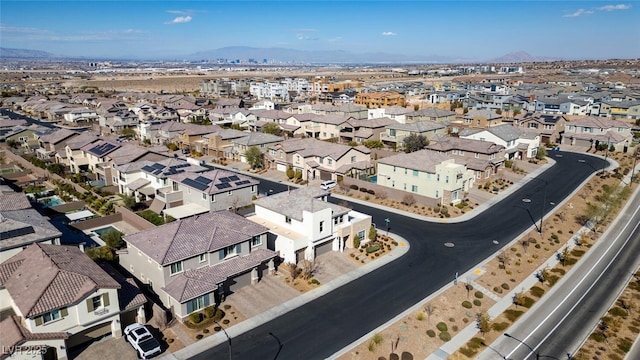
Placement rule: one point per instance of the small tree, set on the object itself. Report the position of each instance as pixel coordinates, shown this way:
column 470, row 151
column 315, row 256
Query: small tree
column 415, row 142
column 272, row 128
column 308, row 268
column 293, row 270
column 113, row 239
column 543, row 275
column 372, row 233
column 408, row 200
column 504, row 259
column 468, row 287
column 290, row 173
column 519, row 299
column 429, row 309
column 298, row 175
column 483, row 322
column 356, row 241
column 525, row 245
column 254, row 157
column 541, row 153
column 129, row 201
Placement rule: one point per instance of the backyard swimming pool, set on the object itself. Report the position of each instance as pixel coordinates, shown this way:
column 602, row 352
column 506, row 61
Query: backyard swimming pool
column 103, row 230
column 50, row 201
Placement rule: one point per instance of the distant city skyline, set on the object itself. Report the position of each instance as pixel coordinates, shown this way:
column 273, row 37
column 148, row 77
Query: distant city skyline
column 475, row 30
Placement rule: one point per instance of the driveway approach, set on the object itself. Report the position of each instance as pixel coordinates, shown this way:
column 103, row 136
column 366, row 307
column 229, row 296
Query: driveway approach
column 333, row 321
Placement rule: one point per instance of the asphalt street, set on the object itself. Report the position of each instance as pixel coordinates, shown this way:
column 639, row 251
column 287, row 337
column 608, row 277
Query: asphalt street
column 556, row 327
column 327, row 324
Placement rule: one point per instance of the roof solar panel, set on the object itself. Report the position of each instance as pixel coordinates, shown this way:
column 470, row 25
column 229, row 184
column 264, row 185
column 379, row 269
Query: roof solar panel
column 224, row 180
column 203, row 180
column 157, row 166
column 223, row 186
column 194, row 184
column 238, row 183
column 102, row 149
column 147, row 168
column 157, row 171
column 234, row 178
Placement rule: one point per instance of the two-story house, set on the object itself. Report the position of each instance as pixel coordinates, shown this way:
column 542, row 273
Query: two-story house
column 589, row 131
column 362, row 130
column 192, row 193
column 259, row 140
column 73, row 155
column 431, row 114
column 481, row 119
column 484, row 158
column 395, row 134
column 549, row 127
column 426, row 173
column 193, row 263
column 54, row 142
column 317, row 159
column 397, row 113
column 519, row 144
column 60, row 298
column 306, row 225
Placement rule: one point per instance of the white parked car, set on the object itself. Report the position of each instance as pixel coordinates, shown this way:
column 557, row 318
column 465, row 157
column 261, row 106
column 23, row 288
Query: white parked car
column 328, row 185
column 142, row 341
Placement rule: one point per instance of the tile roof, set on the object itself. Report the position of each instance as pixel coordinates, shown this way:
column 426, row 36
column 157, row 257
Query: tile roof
column 57, row 136
column 256, row 138
column 82, row 140
column 14, row 334
column 422, row 160
column 11, row 200
column 46, row 277
column 599, row 122
column 193, row 283
column 312, row 147
column 294, row 203
column 22, row 227
column 129, row 295
column 418, row 126
column 195, row 235
column 448, row 143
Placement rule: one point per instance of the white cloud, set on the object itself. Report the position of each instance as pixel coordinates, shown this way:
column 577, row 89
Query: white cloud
column 388, row 33
column 179, row 20
column 614, row 7
column 579, row 12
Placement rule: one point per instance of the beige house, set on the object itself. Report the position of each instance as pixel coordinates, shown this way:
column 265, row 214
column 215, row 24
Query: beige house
column 395, row 134
column 60, row 298
column 426, row 173
column 317, row 159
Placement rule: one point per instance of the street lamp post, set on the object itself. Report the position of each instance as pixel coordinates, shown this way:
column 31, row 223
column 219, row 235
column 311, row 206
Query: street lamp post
column 544, row 200
column 228, row 338
column 387, row 221
column 533, row 351
column 279, row 345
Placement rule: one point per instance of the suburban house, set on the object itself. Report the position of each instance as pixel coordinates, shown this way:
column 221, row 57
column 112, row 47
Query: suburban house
column 304, row 224
column 73, row 155
column 519, row 144
column 347, row 110
column 431, row 114
column 59, row 298
column 26, row 137
column 397, row 113
column 192, row 137
column 219, row 143
column 383, row 99
column 590, row 131
column 426, row 173
column 191, row 193
column 21, row 225
column 142, row 178
column 7, row 124
column 484, row 158
column 395, row 134
column 193, row 263
column 317, row 159
column 115, row 122
column 549, row 127
column 254, row 139
column 54, row 142
column 362, row 130
column 481, row 119
column 621, row 109
column 80, row 116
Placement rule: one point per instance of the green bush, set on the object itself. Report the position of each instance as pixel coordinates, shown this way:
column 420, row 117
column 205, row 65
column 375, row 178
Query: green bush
column 431, row 333
column 373, row 248
column 499, row 327
column 442, row 326
column 505, row 286
column 209, row 312
column 513, row 315
column 597, row 337
column 445, row 336
column 528, row 302
column 625, row 344
column 195, row 318
column 537, row 291
column 466, row 304
column 477, row 302
column 479, row 294
column 618, row 311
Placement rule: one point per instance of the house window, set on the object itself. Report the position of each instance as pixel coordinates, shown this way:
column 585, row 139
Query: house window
column 256, row 241
column 51, row 316
column 353, row 159
column 202, row 258
column 321, row 226
column 198, row 303
column 446, row 179
column 96, row 302
column 405, row 171
column 361, row 234
column 287, row 220
column 415, row 172
column 175, row 186
column 230, row 251
column 437, row 194
column 414, row 188
column 212, row 197
column 437, row 177
column 204, row 196
column 477, row 155
column 321, row 160
column 329, row 162
column 176, row 268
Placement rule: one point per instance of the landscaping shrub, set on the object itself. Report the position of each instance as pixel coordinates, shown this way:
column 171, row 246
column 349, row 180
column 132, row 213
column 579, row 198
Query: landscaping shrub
column 445, row 336
column 373, row 248
column 205, row 331
column 537, row 291
column 625, row 344
column 497, row 289
column 477, row 302
column 431, row 333
column 199, row 336
column 528, row 302
column 513, row 315
column 195, row 318
column 499, row 326
column 597, row 337
column 371, row 191
column 466, row 305
column 442, row 326
column 225, row 321
column 217, row 328
column 209, row 312
column 618, row 311
column 505, row 286
column 363, row 189
column 353, row 187
column 479, row 294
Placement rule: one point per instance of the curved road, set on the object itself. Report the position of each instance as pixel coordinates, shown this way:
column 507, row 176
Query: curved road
column 333, row 321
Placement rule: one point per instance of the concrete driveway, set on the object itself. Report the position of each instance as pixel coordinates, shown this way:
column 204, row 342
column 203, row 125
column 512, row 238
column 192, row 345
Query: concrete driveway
column 107, row 349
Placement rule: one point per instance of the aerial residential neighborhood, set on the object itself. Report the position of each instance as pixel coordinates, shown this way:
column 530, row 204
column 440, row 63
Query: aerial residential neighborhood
column 266, row 202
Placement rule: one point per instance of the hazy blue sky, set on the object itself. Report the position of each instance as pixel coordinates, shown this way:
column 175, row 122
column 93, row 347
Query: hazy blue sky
column 469, row 29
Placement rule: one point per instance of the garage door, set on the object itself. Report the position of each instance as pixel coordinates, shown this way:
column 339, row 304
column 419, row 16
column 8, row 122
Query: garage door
column 325, row 175
column 324, row 248
column 90, row 334
column 239, row 281
column 281, row 167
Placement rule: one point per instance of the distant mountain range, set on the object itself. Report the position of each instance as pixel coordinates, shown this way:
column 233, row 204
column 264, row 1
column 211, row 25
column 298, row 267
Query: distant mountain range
column 297, row 56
